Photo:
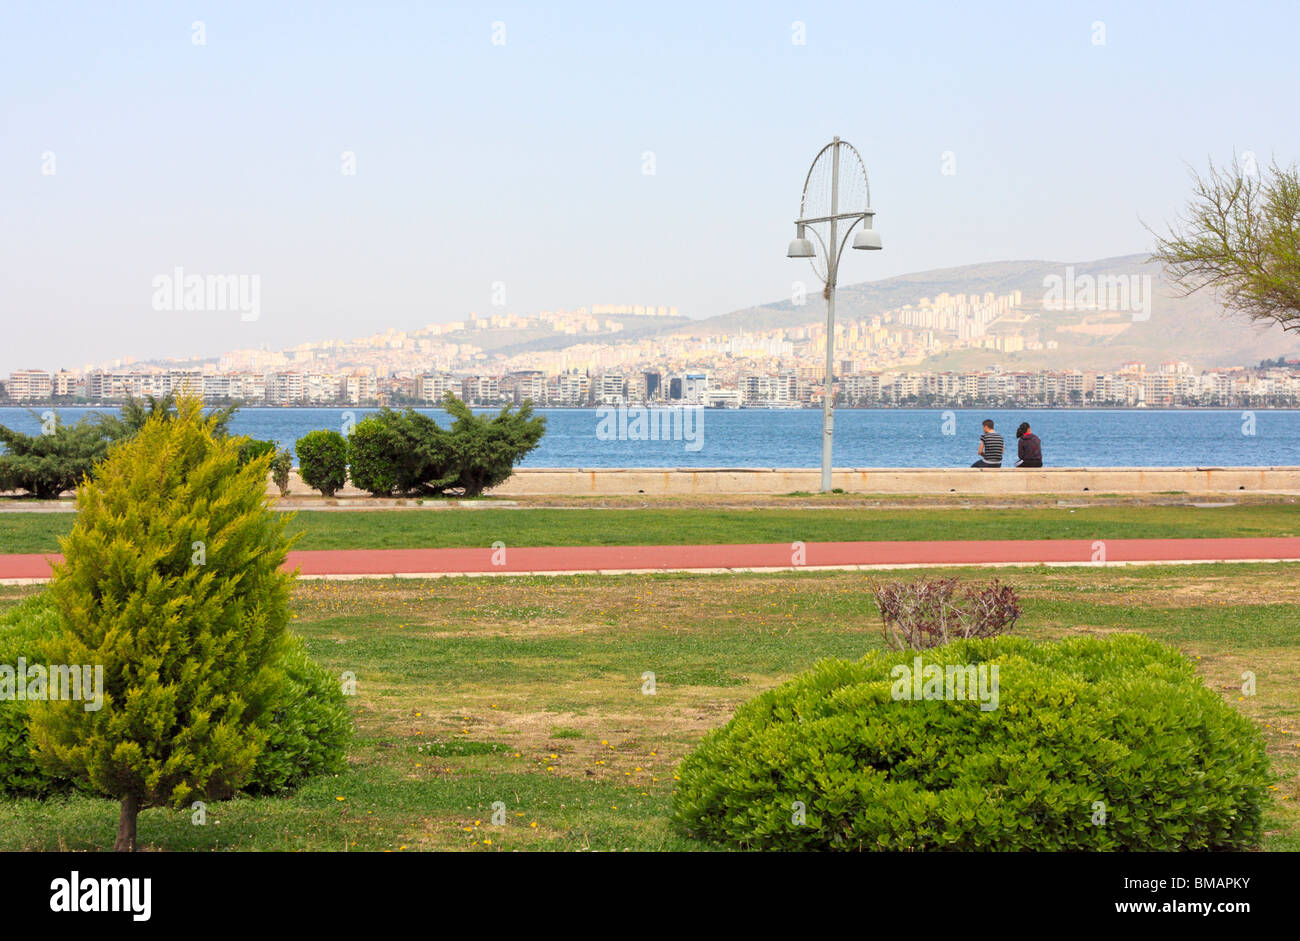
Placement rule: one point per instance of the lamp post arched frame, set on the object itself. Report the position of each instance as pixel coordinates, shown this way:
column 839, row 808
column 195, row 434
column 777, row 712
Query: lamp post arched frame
column 836, row 193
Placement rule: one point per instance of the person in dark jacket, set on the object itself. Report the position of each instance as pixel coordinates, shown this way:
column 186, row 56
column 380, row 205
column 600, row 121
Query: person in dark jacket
column 1028, row 447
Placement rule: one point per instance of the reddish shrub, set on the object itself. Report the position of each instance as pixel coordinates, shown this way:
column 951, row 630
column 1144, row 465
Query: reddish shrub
column 930, row 612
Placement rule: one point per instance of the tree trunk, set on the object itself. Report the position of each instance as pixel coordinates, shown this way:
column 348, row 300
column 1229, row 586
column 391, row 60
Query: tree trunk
column 125, row 842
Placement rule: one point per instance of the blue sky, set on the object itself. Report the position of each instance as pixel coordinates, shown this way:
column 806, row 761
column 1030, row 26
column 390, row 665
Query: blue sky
column 521, row 163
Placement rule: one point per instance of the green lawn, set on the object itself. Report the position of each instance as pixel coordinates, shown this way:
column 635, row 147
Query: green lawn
column 394, row 529
column 528, row 691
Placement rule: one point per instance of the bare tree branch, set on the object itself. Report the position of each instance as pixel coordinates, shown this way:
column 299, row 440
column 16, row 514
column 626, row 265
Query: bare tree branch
column 1240, row 237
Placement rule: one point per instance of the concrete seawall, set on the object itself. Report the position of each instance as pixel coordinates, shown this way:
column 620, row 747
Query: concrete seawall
column 578, row 482
column 606, row 481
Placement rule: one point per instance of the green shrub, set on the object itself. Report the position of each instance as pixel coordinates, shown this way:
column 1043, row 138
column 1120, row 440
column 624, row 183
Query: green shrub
column 281, row 465
column 323, row 461
column 403, row 452
column 376, row 453
column 487, row 449
column 136, row 412
column 424, row 458
column 307, row 723
column 23, row 629
column 1118, row 726
column 250, row 449
column 45, row 465
column 406, row 452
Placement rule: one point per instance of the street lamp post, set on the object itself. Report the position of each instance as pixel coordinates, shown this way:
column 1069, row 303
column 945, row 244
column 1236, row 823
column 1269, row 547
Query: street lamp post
column 829, row 179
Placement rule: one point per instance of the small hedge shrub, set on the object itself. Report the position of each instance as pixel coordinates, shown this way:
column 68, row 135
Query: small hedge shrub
column 376, row 453
column 1118, row 726
column 281, row 465
column 52, row 462
column 22, row 630
column 391, row 452
column 307, row 723
column 323, row 461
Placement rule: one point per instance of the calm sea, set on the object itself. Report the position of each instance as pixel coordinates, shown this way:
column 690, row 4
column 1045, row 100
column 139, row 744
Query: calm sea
column 863, row 437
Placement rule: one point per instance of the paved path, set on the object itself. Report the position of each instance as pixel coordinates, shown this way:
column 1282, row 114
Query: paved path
column 363, row 563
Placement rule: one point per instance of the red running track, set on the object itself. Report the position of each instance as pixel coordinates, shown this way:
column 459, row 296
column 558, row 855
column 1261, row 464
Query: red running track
column 359, row 562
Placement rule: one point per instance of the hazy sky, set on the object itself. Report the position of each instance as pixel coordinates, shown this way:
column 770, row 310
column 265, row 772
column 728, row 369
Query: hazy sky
column 522, row 161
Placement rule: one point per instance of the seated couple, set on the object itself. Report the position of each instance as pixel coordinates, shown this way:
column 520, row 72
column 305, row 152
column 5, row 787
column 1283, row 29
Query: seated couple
column 1029, row 447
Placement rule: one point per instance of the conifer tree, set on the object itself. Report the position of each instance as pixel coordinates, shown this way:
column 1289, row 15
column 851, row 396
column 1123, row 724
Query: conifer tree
column 172, row 583
column 53, row 461
column 488, row 449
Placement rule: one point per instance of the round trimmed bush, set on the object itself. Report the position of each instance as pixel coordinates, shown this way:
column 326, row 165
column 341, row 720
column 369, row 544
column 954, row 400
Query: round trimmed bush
column 377, row 457
column 323, row 461
column 1095, row 744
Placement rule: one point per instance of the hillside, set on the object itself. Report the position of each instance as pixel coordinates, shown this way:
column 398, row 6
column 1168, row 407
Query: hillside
column 1195, row 329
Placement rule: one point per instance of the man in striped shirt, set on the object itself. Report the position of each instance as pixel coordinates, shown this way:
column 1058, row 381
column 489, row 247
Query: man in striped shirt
column 991, row 447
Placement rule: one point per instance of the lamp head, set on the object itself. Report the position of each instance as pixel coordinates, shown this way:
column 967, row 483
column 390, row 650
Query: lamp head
column 800, row 247
column 867, row 237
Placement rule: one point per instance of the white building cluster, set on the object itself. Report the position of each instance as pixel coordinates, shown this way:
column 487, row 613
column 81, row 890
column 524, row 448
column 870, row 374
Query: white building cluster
column 964, row 316
column 277, row 387
column 1133, row 384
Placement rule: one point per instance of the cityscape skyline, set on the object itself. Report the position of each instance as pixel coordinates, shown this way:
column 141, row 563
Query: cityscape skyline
column 1170, row 384
column 623, row 354
column 1091, row 316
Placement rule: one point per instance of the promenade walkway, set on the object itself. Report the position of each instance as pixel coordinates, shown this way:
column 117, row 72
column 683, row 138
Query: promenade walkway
column 565, row 560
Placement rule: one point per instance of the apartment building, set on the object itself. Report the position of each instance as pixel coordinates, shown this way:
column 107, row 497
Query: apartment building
column 481, row 390
column 860, row 388
column 359, row 388
column 30, row 384
column 570, row 389
column 121, row 384
column 234, row 387
column 284, row 388
column 524, row 385
column 695, row 388
column 434, row 386
column 611, row 389
column 321, row 388
column 67, row 384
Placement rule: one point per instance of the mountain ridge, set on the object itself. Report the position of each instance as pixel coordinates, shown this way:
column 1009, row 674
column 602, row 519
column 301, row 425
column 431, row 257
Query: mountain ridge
column 1193, row 328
